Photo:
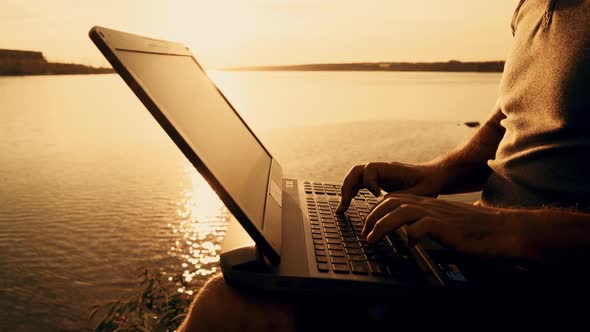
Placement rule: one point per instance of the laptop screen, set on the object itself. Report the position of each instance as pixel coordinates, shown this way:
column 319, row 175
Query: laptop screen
column 201, row 115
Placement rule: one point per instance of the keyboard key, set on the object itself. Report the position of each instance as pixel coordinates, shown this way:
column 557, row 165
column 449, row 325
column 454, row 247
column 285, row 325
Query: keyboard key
column 332, row 235
column 320, row 253
column 334, row 241
column 339, row 260
column 323, row 267
column 340, row 268
column 356, row 258
column 359, row 201
column 336, row 253
column 335, row 247
column 321, row 259
column 346, row 234
column 319, row 247
column 351, row 245
column 318, row 241
column 359, row 267
column 351, row 251
column 316, row 236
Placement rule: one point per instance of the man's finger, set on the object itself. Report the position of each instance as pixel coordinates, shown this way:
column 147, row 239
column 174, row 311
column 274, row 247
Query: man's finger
column 426, row 226
column 350, row 186
column 371, row 178
column 405, row 214
column 379, row 211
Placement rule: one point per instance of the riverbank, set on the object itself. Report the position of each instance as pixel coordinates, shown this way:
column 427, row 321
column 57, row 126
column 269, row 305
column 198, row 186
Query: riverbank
column 25, row 63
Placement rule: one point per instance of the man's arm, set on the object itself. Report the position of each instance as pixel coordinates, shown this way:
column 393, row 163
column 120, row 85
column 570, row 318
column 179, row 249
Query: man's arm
column 555, row 236
column 462, row 170
column 466, row 168
column 552, row 235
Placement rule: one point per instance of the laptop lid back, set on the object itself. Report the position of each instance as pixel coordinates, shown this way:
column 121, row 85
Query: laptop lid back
column 204, row 125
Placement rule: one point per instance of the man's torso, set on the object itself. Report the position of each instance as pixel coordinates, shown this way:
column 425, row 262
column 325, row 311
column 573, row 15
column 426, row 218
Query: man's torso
column 544, row 157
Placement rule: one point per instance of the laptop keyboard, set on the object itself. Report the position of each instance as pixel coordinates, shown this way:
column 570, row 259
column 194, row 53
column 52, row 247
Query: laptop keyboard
column 339, row 246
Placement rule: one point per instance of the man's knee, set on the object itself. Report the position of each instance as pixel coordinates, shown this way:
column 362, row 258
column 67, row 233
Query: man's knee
column 219, row 307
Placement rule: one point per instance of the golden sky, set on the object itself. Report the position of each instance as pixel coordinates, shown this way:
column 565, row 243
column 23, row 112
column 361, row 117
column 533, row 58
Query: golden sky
column 266, row 32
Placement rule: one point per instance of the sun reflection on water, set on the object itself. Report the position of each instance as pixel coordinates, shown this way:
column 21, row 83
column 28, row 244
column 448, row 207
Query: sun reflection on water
column 200, row 232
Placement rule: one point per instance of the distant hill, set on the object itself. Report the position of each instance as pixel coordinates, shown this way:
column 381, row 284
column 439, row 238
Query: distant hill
column 450, row 66
column 15, row 62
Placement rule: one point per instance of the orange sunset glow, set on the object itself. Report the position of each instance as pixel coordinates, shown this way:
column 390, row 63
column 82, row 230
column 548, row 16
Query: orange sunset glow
column 293, row 165
column 270, row 32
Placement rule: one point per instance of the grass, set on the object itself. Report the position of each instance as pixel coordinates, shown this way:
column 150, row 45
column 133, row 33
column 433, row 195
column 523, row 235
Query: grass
column 159, row 304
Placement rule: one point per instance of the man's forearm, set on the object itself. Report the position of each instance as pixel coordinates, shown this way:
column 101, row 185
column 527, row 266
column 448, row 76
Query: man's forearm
column 552, row 235
column 466, row 167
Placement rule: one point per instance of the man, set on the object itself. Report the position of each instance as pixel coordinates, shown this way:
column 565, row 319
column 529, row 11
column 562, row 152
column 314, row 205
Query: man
column 531, row 159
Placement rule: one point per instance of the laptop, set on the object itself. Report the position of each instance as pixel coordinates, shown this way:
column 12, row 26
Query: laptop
column 284, row 235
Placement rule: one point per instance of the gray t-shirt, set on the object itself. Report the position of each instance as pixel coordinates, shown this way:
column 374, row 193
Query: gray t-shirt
column 544, row 156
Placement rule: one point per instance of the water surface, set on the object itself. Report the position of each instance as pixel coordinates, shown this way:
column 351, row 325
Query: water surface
column 91, row 188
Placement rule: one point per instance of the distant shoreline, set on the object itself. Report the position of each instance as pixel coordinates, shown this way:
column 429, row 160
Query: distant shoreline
column 450, row 66
column 30, row 63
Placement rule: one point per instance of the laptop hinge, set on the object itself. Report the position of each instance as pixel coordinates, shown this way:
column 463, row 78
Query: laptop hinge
column 248, row 258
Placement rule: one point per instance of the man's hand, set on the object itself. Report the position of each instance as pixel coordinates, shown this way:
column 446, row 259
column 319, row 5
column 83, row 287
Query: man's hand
column 466, row 228
column 422, row 180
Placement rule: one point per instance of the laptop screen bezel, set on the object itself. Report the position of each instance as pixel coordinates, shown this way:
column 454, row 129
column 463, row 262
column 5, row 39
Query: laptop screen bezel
column 109, row 42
